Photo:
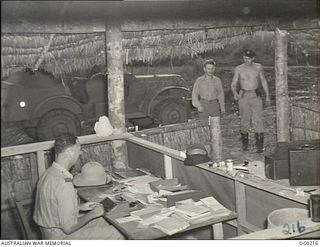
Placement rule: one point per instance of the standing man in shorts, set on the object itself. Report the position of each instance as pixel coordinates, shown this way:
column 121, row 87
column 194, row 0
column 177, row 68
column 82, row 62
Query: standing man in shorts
column 250, row 104
column 207, row 92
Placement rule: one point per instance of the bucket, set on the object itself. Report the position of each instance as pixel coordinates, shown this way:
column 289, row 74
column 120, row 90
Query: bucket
column 286, row 215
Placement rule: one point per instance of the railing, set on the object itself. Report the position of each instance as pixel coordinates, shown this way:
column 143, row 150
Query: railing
column 305, row 122
column 41, row 147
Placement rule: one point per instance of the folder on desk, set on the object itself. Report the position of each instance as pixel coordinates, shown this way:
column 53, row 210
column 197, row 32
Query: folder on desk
column 174, row 197
column 115, row 207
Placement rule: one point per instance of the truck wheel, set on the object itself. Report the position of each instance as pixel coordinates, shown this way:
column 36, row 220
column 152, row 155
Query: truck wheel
column 57, row 122
column 170, row 111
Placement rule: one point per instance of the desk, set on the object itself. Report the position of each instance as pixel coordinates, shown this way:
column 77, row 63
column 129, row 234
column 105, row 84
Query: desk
column 253, row 198
column 130, row 229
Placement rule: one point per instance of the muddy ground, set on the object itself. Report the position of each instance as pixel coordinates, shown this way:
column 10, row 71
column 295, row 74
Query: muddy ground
column 303, row 84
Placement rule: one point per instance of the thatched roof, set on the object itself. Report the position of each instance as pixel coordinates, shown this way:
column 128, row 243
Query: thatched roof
column 66, row 53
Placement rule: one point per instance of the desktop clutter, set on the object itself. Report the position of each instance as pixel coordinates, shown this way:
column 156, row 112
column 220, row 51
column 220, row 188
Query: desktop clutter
column 197, row 154
column 164, row 204
column 297, row 161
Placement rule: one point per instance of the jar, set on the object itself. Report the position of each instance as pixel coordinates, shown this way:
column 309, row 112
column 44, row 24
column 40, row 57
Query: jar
column 229, row 164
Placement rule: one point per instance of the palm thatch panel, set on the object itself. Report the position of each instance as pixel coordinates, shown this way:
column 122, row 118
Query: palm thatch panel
column 74, row 53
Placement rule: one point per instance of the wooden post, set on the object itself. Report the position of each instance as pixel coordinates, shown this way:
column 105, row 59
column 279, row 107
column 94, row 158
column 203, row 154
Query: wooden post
column 216, row 140
column 281, row 77
column 116, row 92
column 168, row 172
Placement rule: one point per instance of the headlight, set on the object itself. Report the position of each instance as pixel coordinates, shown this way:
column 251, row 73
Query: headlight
column 22, row 104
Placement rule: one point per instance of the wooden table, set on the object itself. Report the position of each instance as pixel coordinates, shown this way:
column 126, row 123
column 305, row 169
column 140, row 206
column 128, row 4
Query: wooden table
column 130, row 229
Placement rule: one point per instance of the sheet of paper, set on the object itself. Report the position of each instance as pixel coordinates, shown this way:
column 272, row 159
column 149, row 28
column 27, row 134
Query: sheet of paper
column 209, row 201
column 127, row 219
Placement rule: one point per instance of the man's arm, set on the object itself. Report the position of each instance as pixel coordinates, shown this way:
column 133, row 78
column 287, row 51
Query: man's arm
column 68, row 210
column 195, row 96
column 264, row 84
column 96, row 212
column 234, row 83
column 221, row 97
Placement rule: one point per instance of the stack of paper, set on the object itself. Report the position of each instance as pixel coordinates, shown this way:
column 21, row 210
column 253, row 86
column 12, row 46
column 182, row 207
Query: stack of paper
column 216, row 208
column 191, row 210
column 165, row 213
column 146, row 212
column 171, row 225
column 168, row 185
column 193, row 213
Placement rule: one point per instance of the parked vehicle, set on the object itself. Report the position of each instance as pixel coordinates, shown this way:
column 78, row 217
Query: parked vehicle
column 47, row 106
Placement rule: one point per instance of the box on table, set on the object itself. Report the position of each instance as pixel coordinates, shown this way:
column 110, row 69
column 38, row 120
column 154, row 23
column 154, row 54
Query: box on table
column 195, row 195
column 304, row 165
column 277, row 164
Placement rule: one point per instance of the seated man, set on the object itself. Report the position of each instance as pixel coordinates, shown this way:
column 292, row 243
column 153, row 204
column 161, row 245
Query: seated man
column 56, row 209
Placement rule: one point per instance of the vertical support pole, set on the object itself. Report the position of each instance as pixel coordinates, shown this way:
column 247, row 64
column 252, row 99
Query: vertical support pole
column 217, row 231
column 281, row 77
column 41, row 162
column 167, row 167
column 216, row 140
column 116, row 91
column 240, row 205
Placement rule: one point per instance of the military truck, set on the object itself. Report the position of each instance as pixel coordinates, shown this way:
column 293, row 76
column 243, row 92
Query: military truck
column 47, row 106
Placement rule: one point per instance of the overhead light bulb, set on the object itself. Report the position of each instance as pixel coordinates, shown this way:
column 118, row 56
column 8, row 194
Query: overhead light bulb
column 246, row 10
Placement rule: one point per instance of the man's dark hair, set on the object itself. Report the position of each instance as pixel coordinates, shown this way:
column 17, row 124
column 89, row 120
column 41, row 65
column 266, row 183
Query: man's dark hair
column 64, row 141
column 249, row 53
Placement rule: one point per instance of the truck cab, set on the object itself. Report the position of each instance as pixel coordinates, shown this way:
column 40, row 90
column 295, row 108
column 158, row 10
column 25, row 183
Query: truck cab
column 47, row 106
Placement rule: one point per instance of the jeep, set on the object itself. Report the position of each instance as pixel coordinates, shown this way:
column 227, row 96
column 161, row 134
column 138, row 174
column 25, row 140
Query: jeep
column 47, row 106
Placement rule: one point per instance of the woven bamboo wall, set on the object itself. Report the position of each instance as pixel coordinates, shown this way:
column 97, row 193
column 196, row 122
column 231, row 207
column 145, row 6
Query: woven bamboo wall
column 305, row 122
column 19, row 173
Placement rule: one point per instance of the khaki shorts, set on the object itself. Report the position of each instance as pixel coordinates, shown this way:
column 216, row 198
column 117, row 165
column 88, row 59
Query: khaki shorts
column 210, row 108
column 251, row 112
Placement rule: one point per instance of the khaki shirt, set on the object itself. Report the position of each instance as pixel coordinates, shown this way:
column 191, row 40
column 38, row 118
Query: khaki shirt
column 56, row 203
column 207, row 89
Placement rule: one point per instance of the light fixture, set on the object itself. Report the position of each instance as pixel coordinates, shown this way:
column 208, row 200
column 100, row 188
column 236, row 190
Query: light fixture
column 245, row 10
column 22, row 104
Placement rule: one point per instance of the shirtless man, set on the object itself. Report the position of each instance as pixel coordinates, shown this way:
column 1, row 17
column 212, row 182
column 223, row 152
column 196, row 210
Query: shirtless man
column 250, row 104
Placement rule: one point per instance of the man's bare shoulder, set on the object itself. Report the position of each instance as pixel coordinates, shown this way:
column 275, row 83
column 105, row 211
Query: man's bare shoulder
column 239, row 67
column 257, row 65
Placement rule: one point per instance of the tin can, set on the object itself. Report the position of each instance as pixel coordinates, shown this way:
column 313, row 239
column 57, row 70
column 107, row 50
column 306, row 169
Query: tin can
column 229, row 164
column 315, row 207
column 221, row 164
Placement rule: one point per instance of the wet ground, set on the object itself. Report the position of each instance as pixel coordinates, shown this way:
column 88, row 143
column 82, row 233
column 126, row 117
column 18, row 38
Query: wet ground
column 303, row 85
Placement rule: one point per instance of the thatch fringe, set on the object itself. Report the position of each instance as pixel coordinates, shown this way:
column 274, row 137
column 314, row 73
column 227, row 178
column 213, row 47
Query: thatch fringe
column 80, row 52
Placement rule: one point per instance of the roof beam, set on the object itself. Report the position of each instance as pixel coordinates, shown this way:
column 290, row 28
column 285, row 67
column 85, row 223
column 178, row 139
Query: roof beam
column 98, row 25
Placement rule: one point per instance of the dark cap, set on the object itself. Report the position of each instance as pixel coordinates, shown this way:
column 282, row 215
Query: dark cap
column 209, row 61
column 249, row 53
column 196, row 154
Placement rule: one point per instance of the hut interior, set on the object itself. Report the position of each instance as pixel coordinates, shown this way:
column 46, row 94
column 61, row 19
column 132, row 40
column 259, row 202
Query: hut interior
column 69, row 38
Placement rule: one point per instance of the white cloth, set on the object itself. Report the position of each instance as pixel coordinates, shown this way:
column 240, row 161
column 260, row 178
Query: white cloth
column 103, row 127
